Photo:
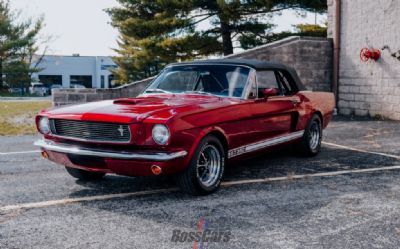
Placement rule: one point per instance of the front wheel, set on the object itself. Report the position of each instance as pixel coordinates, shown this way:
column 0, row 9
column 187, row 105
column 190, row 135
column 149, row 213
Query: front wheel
column 310, row 144
column 84, row 175
column 206, row 168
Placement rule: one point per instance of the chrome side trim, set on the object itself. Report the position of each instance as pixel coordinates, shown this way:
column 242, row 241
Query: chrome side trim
column 264, row 144
column 70, row 149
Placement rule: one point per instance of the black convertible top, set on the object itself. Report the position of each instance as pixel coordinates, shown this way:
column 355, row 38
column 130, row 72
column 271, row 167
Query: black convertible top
column 256, row 64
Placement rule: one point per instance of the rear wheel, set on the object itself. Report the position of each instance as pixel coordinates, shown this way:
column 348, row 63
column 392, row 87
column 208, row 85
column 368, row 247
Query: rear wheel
column 84, row 175
column 310, row 144
column 206, row 168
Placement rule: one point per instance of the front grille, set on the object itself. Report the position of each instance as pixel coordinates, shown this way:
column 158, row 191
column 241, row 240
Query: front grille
column 91, row 131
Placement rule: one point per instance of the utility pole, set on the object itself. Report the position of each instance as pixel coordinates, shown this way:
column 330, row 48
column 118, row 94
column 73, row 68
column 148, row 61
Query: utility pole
column 316, row 16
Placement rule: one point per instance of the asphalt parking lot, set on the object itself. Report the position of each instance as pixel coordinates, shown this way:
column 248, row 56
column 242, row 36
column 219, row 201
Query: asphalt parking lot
column 346, row 197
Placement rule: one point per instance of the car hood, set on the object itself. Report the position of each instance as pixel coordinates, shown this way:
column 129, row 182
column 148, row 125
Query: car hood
column 132, row 110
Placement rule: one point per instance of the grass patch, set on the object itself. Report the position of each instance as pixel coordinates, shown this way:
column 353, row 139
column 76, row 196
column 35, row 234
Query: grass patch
column 18, row 118
column 6, row 94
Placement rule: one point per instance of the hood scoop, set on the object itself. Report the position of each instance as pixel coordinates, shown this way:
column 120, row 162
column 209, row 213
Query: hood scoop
column 136, row 101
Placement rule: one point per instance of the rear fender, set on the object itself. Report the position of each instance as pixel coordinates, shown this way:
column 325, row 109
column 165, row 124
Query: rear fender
column 322, row 103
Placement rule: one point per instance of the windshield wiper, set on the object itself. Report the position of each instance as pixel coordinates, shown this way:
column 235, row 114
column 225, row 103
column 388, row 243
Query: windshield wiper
column 156, row 90
column 200, row 92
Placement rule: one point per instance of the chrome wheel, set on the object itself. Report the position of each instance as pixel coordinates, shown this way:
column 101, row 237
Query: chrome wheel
column 209, row 165
column 310, row 143
column 314, row 136
column 206, row 168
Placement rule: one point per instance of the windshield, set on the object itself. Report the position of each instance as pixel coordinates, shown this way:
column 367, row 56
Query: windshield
column 221, row 80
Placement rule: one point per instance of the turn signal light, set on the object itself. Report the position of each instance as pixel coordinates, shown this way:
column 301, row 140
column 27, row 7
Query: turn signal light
column 45, row 155
column 156, row 170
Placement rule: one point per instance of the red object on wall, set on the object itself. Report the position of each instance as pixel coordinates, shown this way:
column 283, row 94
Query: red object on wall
column 367, row 54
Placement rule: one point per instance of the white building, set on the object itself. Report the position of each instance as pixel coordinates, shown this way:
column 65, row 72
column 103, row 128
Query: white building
column 366, row 88
column 89, row 71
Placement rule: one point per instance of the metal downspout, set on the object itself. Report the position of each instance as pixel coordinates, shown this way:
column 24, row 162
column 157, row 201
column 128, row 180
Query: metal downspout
column 336, row 49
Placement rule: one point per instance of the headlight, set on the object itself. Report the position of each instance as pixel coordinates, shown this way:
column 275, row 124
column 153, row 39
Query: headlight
column 44, row 126
column 160, row 134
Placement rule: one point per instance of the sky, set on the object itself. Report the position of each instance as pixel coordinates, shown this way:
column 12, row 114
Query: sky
column 82, row 27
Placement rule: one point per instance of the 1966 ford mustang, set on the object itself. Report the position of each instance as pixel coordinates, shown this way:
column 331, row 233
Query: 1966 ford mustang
column 191, row 121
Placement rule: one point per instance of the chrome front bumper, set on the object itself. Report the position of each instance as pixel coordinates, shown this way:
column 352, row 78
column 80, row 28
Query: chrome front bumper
column 71, row 149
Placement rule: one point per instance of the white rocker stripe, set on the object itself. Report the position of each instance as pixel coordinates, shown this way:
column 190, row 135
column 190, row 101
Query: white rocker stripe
column 264, row 144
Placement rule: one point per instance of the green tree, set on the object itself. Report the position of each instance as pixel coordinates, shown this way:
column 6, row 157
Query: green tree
column 18, row 44
column 312, row 30
column 156, row 32
column 299, row 30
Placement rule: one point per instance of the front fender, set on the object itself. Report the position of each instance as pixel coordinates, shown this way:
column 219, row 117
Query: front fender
column 200, row 133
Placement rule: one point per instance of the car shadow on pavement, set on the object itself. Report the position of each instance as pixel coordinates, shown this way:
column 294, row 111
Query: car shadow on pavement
column 112, row 184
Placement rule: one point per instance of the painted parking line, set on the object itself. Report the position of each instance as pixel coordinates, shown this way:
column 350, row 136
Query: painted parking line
column 169, row 190
column 361, row 150
column 322, row 174
column 44, row 204
column 19, row 152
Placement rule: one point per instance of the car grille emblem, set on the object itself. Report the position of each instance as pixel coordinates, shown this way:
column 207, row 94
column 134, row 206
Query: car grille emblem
column 121, row 130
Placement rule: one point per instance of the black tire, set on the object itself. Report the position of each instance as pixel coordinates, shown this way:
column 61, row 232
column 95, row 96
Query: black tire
column 190, row 180
column 310, row 144
column 84, row 175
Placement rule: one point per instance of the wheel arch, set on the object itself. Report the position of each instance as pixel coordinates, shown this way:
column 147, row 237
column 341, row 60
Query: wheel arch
column 321, row 117
column 222, row 138
column 214, row 131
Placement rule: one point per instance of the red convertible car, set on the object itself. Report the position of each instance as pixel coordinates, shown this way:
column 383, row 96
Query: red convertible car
column 191, row 121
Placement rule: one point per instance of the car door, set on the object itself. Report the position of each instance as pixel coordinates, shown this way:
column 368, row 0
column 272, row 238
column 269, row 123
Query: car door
column 276, row 115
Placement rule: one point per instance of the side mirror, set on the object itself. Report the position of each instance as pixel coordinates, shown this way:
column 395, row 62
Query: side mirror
column 269, row 92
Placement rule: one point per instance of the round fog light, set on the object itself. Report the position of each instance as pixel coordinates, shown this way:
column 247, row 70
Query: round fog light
column 156, row 170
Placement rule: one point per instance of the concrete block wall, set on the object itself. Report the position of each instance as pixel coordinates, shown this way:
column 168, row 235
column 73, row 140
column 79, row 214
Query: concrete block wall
column 368, row 88
column 311, row 57
column 62, row 97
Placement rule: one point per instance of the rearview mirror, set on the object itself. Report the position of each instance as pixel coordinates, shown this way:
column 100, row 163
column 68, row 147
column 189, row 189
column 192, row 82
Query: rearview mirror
column 269, row 92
